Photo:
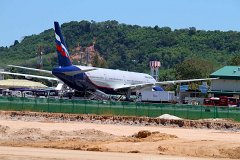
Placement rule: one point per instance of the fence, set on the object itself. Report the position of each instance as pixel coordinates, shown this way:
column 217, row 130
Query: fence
column 116, row 108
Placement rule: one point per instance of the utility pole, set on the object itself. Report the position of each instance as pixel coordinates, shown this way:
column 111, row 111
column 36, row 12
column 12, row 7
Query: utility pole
column 40, row 57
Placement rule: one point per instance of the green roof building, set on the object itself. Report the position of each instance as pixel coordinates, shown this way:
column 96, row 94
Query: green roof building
column 228, row 83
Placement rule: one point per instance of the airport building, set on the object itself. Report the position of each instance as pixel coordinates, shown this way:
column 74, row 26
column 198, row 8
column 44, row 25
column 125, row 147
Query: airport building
column 228, row 83
column 20, row 83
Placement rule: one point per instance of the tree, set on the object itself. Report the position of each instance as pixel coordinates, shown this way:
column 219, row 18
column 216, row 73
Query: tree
column 192, row 31
column 103, row 64
column 167, row 74
column 235, row 61
column 194, row 68
column 16, row 42
column 96, row 61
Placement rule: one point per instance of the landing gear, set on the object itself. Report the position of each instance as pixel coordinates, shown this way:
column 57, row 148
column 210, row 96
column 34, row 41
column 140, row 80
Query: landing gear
column 128, row 94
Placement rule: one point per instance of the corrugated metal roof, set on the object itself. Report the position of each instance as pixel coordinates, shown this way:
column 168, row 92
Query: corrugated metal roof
column 20, row 83
column 224, row 92
column 227, row 72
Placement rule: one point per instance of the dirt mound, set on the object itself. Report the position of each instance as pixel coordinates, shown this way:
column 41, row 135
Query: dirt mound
column 157, row 136
column 27, row 134
column 94, row 149
column 36, row 134
column 162, row 149
column 134, row 151
column 4, row 129
column 72, row 144
column 142, row 134
column 27, row 131
column 86, row 139
column 231, row 153
column 164, row 120
column 59, row 133
column 147, row 136
column 93, row 134
column 168, row 116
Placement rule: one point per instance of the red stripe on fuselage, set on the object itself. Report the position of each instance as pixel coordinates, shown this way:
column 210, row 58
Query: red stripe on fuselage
column 61, row 50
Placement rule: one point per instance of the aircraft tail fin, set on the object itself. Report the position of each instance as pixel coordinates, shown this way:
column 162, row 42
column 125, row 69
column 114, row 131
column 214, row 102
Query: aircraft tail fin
column 63, row 55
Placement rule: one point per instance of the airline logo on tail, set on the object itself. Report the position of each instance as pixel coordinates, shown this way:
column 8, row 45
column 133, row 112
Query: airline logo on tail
column 63, row 55
column 60, row 47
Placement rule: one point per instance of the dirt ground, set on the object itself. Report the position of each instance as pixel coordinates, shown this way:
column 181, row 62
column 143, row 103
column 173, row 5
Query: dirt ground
column 27, row 153
column 139, row 141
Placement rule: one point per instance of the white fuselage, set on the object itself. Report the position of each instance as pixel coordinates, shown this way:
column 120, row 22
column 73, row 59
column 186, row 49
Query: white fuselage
column 111, row 78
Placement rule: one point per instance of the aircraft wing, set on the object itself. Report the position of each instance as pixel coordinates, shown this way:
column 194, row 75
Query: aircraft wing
column 183, row 81
column 30, row 76
column 32, row 69
column 69, row 73
column 134, row 86
column 144, row 85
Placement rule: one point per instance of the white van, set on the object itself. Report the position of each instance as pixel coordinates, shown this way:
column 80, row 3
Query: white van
column 7, row 92
column 17, row 93
column 27, row 94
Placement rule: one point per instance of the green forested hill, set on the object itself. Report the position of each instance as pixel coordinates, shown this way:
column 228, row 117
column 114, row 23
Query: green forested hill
column 130, row 47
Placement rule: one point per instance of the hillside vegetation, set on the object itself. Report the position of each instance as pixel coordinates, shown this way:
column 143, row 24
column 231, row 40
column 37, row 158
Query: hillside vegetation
column 131, row 47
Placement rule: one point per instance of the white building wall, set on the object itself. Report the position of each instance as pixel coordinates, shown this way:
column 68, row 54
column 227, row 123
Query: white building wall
column 225, row 85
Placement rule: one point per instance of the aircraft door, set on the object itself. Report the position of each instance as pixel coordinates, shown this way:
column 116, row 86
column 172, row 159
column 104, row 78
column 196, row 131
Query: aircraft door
column 105, row 76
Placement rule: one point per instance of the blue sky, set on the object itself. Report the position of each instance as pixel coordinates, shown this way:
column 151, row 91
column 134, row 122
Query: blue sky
column 26, row 17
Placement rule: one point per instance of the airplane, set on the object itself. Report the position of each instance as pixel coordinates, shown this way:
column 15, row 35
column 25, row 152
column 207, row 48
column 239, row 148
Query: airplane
column 101, row 80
